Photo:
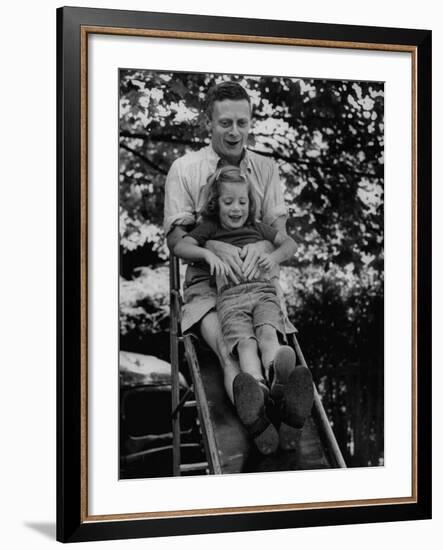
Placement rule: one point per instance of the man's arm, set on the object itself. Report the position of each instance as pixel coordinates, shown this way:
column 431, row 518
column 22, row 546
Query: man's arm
column 285, row 249
column 179, row 205
column 227, row 253
column 189, row 249
column 280, row 224
column 175, row 235
column 178, row 235
column 273, row 207
column 251, row 253
column 274, row 214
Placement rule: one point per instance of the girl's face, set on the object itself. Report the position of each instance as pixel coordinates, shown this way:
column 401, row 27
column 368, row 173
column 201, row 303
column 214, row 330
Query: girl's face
column 233, row 204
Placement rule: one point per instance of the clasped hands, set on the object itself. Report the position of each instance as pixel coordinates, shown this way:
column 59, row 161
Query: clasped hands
column 239, row 264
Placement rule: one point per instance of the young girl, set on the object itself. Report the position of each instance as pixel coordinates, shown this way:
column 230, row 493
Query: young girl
column 250, row 313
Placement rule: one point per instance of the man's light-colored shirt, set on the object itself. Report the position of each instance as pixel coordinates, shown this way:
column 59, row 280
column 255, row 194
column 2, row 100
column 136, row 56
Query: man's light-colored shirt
column 188, row 176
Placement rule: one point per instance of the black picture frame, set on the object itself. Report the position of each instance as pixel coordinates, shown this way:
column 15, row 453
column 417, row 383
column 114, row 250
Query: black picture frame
column 73, row 523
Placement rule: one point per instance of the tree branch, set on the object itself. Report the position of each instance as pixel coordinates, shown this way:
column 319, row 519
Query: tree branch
column 144, row 159
column 167, row 138
column 304, row 164
column 309, row 164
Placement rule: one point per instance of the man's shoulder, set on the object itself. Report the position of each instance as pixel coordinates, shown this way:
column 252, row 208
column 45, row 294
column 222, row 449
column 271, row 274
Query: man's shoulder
column 191, row 158
column 260, row 160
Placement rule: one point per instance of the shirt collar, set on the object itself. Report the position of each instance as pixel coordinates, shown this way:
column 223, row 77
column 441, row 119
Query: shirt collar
column 215, row 159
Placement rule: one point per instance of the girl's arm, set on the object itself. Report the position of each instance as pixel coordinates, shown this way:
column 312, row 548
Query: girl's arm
column 189, row 249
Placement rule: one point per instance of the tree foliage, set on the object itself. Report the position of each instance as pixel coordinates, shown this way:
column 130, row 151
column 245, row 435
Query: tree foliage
column 326, row 136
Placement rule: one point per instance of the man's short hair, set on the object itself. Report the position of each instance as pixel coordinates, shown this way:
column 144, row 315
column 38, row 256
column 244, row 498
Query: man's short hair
column 225, row 90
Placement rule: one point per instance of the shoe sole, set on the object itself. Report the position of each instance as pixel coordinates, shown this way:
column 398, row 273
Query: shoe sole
column 298, row 399
column 250, row 405
column 289, row 437
column 284, row 364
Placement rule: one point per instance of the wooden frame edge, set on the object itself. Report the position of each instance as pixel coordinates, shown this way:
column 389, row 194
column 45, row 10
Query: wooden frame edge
column 281, row 41
column 205, row 512
column 84, row 274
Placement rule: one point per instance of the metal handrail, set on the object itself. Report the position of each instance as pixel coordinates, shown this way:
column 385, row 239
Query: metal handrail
column 174, row 281
column 328, row 434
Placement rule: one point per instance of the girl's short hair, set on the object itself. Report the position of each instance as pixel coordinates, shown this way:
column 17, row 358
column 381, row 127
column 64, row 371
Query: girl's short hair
column 225, row 174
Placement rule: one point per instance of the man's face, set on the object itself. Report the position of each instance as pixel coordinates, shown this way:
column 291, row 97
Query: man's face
column 230, row 125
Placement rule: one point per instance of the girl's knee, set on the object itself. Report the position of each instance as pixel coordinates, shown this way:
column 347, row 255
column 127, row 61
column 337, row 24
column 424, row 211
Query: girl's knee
column 266, row 334
column 248, row 344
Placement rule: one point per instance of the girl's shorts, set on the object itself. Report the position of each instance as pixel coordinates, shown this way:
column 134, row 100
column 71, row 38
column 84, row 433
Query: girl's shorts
column 245, row 307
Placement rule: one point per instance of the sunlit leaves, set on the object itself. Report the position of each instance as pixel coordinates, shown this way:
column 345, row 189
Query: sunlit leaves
column 326, row 136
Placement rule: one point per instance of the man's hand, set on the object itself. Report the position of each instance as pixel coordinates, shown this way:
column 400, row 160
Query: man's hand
column 216, row 266
column 266, row 262
column 230, row 256
column 251, row 254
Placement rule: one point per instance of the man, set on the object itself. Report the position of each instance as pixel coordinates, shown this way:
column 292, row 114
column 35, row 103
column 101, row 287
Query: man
column 228, row 112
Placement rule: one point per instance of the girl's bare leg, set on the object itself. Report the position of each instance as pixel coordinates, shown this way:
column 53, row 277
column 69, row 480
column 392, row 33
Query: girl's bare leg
column 211, row 332
column 268, row 343
column 249, row 358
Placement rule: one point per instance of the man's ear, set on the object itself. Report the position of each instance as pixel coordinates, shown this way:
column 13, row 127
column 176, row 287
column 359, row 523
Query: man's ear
column 208, row 123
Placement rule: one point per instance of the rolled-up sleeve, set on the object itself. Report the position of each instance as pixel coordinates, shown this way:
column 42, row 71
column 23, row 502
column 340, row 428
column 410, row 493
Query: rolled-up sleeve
column 179, row 206
column 273, row 202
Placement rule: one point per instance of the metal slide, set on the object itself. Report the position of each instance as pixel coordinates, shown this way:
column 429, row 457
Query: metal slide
column 227, row 446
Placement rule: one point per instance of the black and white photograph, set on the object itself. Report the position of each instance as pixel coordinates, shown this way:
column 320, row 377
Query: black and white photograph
column 251, row 273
